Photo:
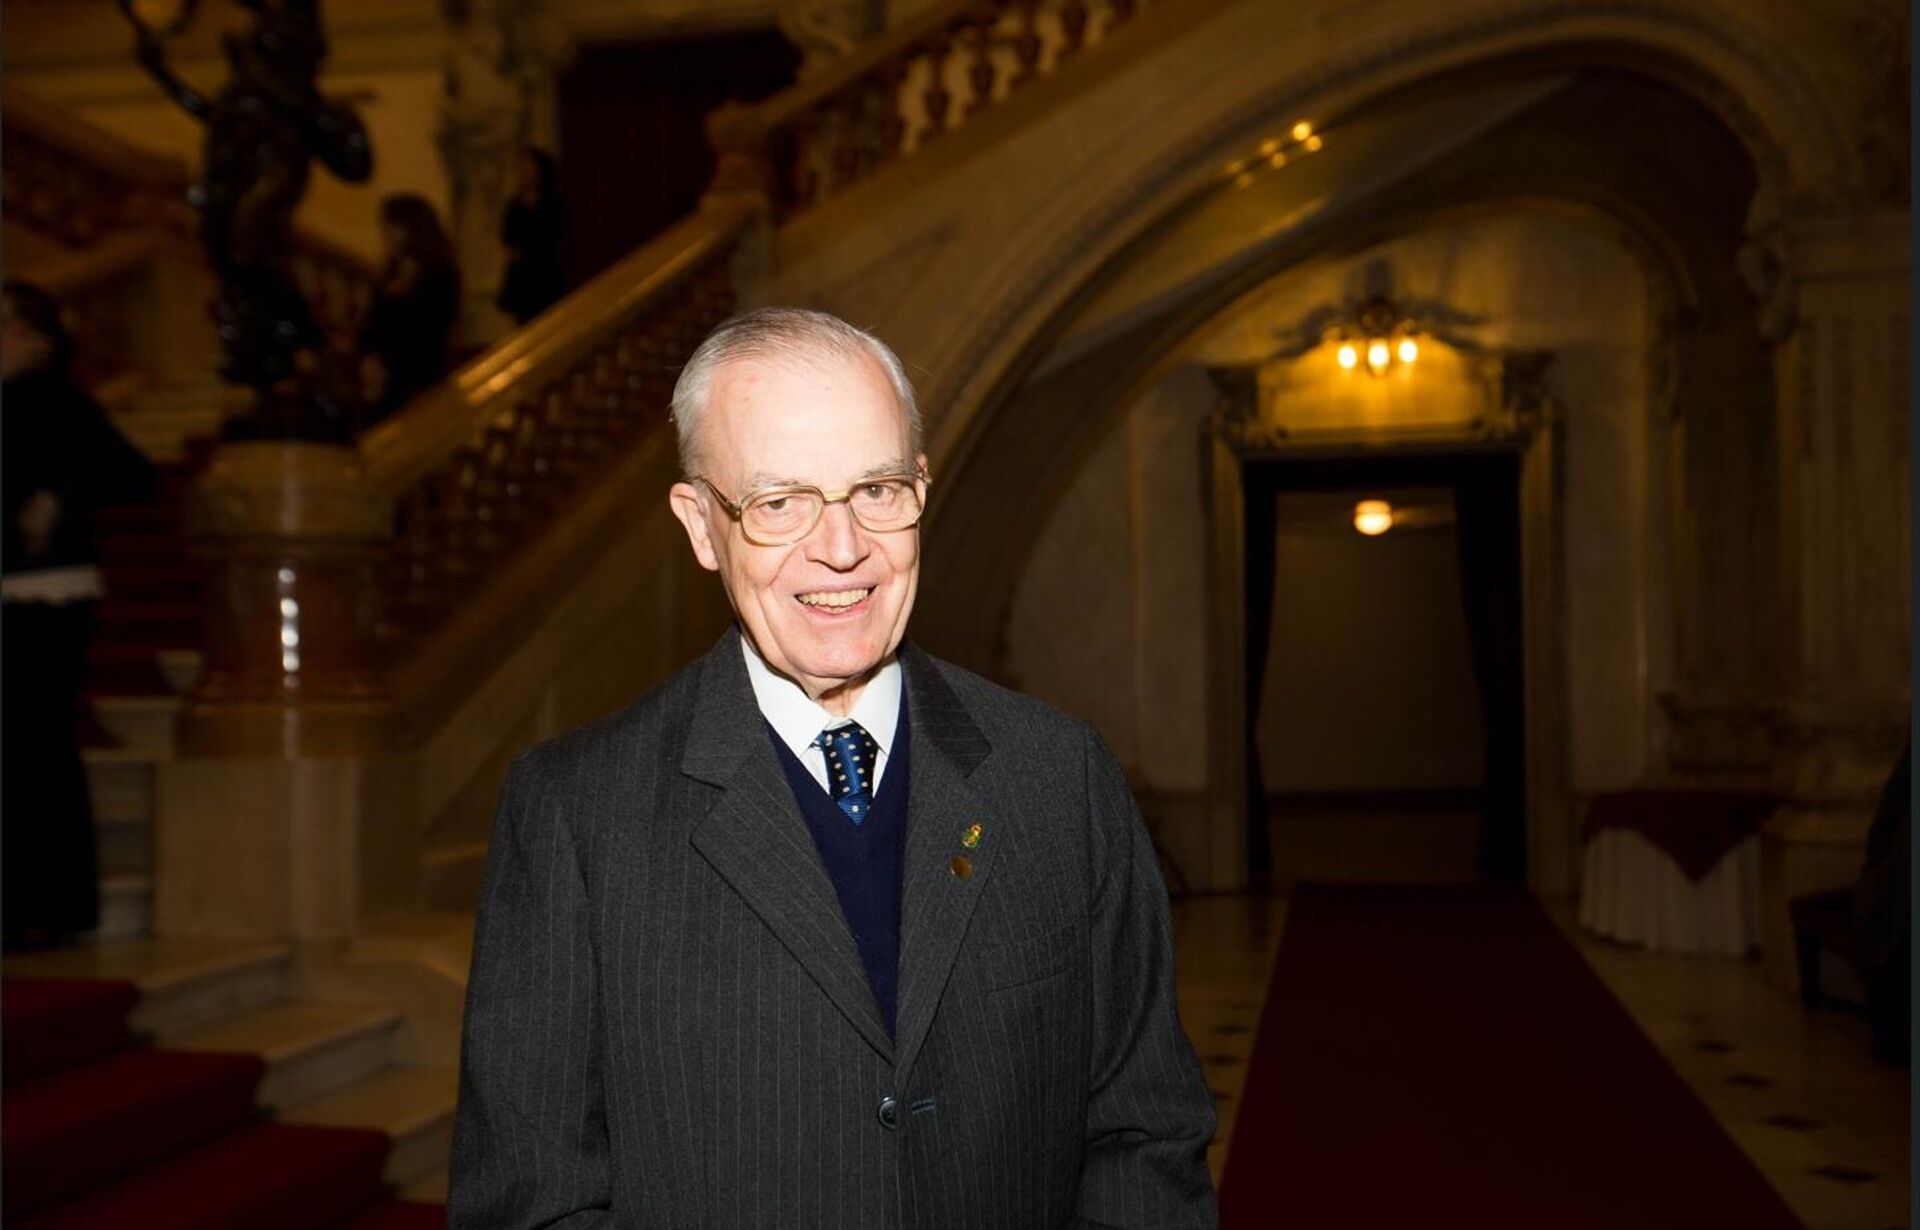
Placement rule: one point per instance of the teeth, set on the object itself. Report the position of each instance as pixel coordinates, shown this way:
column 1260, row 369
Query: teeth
column 837, row 598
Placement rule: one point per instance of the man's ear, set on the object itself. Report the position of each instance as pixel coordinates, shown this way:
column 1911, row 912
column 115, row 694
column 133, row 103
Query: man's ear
column 687, row 506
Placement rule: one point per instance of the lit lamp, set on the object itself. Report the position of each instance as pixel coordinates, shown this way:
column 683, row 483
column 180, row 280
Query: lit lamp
column 1373, row 517
column 1379, row 334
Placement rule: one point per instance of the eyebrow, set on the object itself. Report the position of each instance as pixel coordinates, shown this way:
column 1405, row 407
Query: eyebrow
column 762, row 480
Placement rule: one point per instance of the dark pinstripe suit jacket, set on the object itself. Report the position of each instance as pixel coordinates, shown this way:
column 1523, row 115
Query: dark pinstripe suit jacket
column 668, row 1024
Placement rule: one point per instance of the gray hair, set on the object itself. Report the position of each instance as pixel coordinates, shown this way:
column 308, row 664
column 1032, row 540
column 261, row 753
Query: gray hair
column 788, row 334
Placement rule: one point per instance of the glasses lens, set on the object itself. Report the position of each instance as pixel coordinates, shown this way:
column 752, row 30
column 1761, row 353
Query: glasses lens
column 889, row 504
column 779, row 516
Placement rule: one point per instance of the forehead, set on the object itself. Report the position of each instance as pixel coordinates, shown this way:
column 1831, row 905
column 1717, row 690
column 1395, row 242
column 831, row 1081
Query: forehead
column 809, row 417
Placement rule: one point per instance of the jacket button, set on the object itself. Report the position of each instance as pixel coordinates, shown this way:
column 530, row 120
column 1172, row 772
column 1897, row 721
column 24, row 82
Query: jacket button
column 888, row 1114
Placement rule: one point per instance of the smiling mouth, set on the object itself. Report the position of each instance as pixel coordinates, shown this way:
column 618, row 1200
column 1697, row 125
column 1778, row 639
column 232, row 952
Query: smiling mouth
column 834, row 599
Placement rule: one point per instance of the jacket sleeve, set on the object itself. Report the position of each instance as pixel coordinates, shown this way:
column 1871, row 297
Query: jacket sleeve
column 1150, row 1115
column 530, row 1139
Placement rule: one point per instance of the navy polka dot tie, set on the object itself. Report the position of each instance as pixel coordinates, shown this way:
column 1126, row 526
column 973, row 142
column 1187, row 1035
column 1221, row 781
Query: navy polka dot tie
column 850, row 758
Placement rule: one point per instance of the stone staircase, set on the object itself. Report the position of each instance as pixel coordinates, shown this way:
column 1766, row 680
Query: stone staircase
column 121, row 781
column 329, row 1062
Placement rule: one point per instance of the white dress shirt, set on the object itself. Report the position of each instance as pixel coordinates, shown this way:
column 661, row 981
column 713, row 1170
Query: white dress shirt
column 798, row 719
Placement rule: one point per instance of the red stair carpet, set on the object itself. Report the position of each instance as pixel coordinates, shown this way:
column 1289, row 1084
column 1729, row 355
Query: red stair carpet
column 1443, row 1057
column 98, row 1131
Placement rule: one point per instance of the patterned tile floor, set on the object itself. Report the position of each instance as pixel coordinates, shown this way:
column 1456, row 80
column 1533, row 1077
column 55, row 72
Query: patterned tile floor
column 1799, row 1092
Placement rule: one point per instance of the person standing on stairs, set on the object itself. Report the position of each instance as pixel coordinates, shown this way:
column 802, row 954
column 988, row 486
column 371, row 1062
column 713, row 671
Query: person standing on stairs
column 408, row 327
column 61, row 460
column 823, row 932
column 531, row 230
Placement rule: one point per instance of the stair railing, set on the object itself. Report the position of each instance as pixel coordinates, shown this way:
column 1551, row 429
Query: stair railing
column 359, row 593
column 357, row 599
column 899, row 93
column 79, row 186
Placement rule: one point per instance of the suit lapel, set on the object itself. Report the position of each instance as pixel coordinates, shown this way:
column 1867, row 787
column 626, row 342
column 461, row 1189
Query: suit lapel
column 756, row 839
column 936, row 905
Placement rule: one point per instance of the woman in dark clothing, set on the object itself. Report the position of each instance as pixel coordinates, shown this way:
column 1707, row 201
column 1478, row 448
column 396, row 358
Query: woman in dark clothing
column 531, row 232
column 60, row 461
column 403, row 339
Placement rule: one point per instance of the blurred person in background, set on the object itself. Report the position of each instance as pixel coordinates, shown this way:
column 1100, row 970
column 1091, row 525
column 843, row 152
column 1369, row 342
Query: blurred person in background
column 404, row 336
column 63, row 460
column 531, row 229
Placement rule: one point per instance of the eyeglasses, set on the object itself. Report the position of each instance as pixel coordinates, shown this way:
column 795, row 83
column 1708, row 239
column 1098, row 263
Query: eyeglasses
column 782, row 516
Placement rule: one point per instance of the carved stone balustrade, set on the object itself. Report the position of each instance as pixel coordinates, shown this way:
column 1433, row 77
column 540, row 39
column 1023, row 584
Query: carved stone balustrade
column 102, row 200
column 898, row 93
column 406, row 563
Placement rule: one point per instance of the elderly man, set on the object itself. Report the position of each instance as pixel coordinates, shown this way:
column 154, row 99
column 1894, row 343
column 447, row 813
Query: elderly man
column 823, row 932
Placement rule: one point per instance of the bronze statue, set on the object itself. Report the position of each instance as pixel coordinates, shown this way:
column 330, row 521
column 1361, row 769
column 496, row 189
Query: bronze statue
column 262, row 130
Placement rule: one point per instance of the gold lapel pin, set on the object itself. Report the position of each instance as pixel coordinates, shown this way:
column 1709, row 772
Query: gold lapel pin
column 971, row 838
column 961, row 867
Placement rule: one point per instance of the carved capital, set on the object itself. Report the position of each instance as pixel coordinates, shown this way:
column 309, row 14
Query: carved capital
column 1720, row 734
column 288, row 491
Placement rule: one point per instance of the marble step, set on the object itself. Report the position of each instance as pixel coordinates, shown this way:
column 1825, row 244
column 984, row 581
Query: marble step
column 125, row 845
column 183, row 983
column 142, row 725
column 119, row 783
column 311, row 1047
column 126, row 905
column 413, row 1105
column 429, row 1190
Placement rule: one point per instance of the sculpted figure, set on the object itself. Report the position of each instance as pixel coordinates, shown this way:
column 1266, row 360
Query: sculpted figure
column 262, row 130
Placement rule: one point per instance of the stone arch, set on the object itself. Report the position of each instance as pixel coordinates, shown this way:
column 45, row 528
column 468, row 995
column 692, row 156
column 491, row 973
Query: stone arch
column 994, row 488
column 1778, row 78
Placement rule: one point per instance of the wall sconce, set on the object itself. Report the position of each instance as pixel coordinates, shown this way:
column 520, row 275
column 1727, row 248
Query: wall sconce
column 1378, row 336
column 1373, row 517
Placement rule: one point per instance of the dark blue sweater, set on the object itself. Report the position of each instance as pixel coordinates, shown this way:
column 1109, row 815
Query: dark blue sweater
column 864, row 860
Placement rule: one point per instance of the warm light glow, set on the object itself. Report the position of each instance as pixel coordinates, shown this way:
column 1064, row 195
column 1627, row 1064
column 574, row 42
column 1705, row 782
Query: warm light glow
column 1302, row 131
column 1409, row 350
column 1268, row 146
column 1277, row 161
column 1236, row 166
column 1314, row 143
column 1373, row 517
column 1378, row 356
column 1243, row 180
column 1348, row 356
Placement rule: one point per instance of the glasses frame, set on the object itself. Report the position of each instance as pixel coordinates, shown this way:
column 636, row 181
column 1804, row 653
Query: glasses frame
column 737, row 509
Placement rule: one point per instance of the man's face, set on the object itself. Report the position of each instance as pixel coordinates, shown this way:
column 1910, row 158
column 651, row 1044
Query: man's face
column 825, row 422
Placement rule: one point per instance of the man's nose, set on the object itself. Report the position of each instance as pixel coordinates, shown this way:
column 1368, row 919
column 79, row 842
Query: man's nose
column 838, row 542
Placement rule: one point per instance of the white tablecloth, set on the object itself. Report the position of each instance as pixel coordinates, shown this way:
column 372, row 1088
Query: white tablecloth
column 1632, row 891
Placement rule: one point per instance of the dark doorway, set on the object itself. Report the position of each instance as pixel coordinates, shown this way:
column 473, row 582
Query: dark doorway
column 1479, row 491
column 634, row 154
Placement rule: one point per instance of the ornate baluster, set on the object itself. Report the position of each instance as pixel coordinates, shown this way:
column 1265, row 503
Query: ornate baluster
column 981, row 72
column 937, row 99
column 453, row 515
column 893, row 118
column 848, row 138
column 1073, row 28
column 1026, row 44
column 806, row 174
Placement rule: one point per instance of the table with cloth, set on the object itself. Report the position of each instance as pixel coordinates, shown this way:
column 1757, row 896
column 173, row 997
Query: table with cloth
column 1675, row 868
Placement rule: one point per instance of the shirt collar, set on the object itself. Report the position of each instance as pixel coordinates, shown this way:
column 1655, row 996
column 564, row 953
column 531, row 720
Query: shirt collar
column 797, row 718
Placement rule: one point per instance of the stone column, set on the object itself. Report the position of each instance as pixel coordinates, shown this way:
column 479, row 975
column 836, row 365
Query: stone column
column 260, row 822
column 1842, row 438
column 502, row 64
column 293, row 531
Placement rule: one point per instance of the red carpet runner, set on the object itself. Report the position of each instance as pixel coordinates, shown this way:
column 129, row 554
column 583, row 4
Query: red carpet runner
column 100, row 1132
column 1443, row 1057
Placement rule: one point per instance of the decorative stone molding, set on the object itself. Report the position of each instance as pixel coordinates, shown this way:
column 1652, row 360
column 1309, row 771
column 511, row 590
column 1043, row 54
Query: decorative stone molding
column 502, row 59
column 310, row 492
column 827, row 30
column 1720, row 735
